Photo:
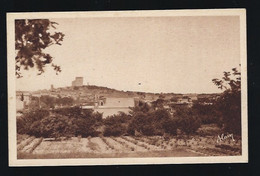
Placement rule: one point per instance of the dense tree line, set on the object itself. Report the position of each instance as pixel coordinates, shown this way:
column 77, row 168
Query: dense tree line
column 64, row 122
column 74, row 121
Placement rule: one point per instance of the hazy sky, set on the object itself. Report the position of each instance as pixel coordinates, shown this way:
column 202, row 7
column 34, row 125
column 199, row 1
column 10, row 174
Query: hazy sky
column 163, row 54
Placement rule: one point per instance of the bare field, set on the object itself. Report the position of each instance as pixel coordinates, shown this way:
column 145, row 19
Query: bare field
column 29, row 147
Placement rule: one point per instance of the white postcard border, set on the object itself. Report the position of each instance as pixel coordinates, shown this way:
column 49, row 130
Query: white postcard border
column 13, row 161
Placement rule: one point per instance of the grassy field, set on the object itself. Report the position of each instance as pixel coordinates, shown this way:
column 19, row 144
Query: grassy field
column 29, row 147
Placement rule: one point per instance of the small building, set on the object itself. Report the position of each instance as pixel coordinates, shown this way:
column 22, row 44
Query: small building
column 77, row 82
column 111, row 106
column 184, row 100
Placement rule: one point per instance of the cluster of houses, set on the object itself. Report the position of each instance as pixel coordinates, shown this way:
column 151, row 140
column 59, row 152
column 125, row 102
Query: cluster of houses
column 107, row 103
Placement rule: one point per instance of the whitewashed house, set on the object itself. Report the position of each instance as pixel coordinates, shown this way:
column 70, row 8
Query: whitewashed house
column 111, row 106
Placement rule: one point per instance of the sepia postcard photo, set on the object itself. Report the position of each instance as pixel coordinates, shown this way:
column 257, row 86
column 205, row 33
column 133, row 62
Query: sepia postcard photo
column 127, row 87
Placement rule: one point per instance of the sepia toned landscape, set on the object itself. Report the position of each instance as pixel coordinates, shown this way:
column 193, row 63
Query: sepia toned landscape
column 130, row 87
column 90, row 121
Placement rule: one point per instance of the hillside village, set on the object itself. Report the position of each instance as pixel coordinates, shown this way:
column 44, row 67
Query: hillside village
column 98, row 121
column 106, row 100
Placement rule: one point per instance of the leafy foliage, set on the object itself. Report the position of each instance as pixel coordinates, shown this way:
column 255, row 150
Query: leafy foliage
column 170, row 126
column 24, row 123
column 208, row 113
column 47, row 101
column 65, row 122
column 85, row 126
column 158, row 103
column 139, row 124
column 31, row 38
column 116, row 125
column 151, row 122
column 188, row 121
column 54, row 126
column 115, row 130
column 229, row 103
column 228, row 83
column 121, row 117
column 142, row 120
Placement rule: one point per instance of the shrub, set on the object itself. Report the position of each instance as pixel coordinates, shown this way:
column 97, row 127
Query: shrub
column 117, row 118
column 149, row 123
column 116, row 125
column 85, row 127
column 159, row 118
column 131, row 129
column 114, row 130
column 64, row 122
column 97, row 116
column 24, row 123
column 56, row 126
column 160, row 115
column 189, row 125
column 148, row 130
column 170, row 126
column 207, row 113
column 188, row 122
column 209, row 130
column 21, row 126
column 229, row 103
column 138, row 123
column 35, row 115
column 230, row 107
column 34, row 129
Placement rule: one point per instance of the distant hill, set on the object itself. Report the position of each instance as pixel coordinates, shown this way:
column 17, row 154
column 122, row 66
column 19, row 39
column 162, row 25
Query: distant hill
column 90, row 91
column 87, row 93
